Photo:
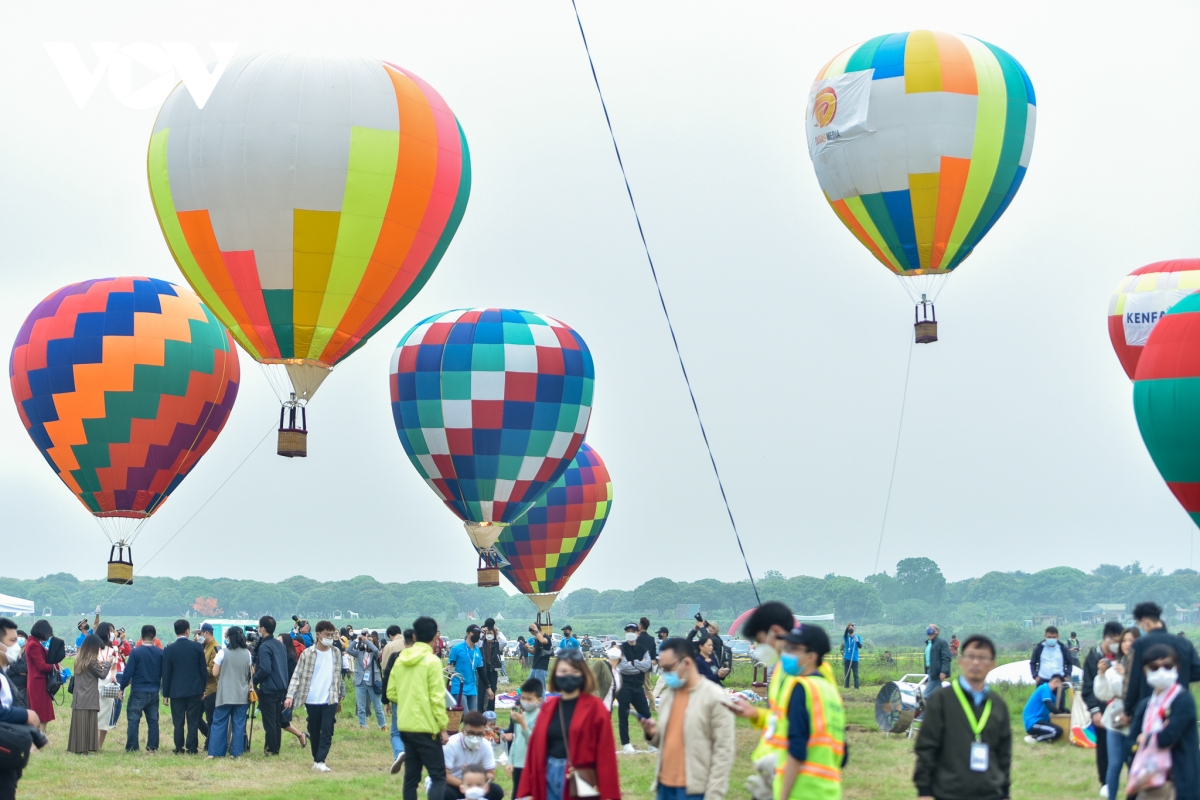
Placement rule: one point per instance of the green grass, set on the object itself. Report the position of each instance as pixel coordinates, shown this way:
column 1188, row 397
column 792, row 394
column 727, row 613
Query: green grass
column 880, row 767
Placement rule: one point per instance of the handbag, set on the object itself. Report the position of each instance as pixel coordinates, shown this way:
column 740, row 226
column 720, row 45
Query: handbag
column 15, row 743
column 54, row 682
column 581, row 781
column 112, row 689
column 1151, row 767
column 376, row 680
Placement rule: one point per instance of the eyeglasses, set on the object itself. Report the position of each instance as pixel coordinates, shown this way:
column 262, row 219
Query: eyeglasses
column 976, row 657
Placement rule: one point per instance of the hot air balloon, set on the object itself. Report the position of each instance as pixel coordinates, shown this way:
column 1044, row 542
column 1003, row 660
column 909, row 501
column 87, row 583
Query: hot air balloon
column 1166, row 400
column 920, row 140
column 123, row 384
column 1141, row 299
column 544, row 547
column 307, row 203
column 491, row 405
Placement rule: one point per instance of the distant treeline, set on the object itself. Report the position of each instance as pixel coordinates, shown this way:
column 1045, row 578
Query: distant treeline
column 914, row 593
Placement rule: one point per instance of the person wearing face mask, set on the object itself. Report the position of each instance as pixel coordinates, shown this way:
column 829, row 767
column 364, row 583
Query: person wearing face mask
column 937, row 660
column 270, row 682
column 636, row 662
column 317, row 685
column 232, row 667
column 851, row 645
column 1106, row 653
column 1154, row 631
column 209, row 699
column 465, row 662
column 364, row 652
column 804, row 738
column 468, row 749
column 1109, row 687
column 1167, row 718
column 694, row 733
column 572, row 742
column 1050, row 657
column 568, row 638
column 183, row 677
column 143, row 676
column 521, row 723
column 9, row 712
column 491, row 648
column 38, row 672
column 387, row 658
column 608, row 677
column 540, row 649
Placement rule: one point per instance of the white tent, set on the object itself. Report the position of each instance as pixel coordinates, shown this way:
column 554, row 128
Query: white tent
column 1018, row 672
column 15, row 606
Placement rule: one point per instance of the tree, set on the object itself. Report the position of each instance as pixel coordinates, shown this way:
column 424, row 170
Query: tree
column 921, row 579
column 580, row 602
column 206, row 607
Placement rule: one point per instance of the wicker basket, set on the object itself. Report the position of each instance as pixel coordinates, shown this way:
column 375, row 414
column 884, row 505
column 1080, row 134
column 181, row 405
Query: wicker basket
column 120, row 572
column 926, row 331
column 455, row 719
column 488, row 576
column 293, row 443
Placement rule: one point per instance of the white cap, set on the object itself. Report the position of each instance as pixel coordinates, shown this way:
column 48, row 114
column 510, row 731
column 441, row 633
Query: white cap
column 613, row 652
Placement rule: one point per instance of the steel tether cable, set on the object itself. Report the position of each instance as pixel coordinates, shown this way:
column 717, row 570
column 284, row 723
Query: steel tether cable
column 663, row 302
column 895, row 456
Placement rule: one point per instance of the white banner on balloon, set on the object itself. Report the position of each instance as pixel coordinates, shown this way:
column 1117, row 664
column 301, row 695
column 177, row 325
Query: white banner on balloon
column 1144, row 309
column 837, row 111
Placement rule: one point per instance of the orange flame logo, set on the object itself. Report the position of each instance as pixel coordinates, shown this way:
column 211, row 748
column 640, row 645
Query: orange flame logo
column 824, row 107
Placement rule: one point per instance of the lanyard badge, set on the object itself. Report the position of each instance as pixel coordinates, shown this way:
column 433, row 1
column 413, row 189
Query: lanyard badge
column 979, row 748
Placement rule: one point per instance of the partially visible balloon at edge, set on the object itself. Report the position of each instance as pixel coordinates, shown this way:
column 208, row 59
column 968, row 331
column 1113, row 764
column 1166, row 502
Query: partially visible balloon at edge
column 1141, row 299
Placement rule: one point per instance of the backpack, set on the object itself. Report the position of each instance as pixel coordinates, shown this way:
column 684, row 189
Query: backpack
column 57, row 651
column 15, row 743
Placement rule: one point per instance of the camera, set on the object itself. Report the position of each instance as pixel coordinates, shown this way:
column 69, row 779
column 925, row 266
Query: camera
column 699, row 617
column 295, row 618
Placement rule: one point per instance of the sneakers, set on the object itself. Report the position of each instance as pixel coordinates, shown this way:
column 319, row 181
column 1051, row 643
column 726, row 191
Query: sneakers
column 651, row 748
column 321, row 767
column 398, row 763
column 629, row 748
column 1104, row 791
column 1030, row 740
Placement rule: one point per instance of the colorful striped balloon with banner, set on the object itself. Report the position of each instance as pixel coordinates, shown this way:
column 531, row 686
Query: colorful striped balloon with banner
column 920, row 140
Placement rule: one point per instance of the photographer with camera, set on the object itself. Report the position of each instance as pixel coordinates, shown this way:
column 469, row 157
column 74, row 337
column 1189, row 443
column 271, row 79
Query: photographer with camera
column 704, row 631
column 302, row 632
column 18, row 727
column 540, row 648
column 367, row 676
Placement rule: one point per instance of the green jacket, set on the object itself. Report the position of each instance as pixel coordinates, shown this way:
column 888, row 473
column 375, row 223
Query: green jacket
column 415, row 687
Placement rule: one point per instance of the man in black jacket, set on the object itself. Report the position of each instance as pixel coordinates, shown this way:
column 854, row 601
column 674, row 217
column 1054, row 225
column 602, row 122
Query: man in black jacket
column 1051, row 657
column 937, row 660
column 271, row 682
column 1154, row 631
column 964, row 747
column 183, row 675
column 1095, row 707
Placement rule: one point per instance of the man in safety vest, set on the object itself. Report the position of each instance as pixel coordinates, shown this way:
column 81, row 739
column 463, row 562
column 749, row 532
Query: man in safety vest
column 803, row 742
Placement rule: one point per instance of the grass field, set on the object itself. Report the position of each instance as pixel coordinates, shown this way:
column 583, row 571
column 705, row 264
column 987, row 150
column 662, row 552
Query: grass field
column 880, row 767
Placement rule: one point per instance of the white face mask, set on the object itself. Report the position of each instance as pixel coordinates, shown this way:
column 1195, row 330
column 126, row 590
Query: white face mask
column 1114, row 647
column 471, row 742
column 327, row 641
column 630, row 636
column 491, row 638
column 474, row 792
column 1163, row 678
column 530, row 706
column 766, row 654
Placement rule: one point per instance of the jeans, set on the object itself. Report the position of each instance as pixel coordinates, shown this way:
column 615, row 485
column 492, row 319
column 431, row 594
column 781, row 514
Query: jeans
column 677, row 792
column 364, row 697
column 186, row 711
column 630, row 695
column 8, row 783
column 470, row 702
column 1118, row 750
column 539, row 674
column 397, row 742
column 320, row 729
column 932, row 685
column 556, row 778
column 423, row 750
column 847, row 668
column 272, row 715
column 141, row 703
column 219, row 735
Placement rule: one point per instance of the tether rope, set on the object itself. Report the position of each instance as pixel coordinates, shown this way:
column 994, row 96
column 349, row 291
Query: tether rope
column 895, row 455
column 663, row 302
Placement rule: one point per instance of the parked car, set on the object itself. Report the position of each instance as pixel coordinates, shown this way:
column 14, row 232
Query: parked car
column 739, row 647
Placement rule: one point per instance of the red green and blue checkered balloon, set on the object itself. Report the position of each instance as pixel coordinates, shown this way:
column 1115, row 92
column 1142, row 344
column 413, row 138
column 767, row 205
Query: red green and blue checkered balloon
column 491, row 405
column 547, row 545
column 123, row 384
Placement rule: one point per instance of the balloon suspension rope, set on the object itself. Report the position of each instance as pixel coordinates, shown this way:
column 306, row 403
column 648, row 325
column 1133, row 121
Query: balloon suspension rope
column 895, row 455
column 197, row 511
column 662, row 302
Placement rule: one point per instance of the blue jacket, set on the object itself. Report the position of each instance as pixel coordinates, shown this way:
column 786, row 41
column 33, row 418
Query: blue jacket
column 271, row 674
column 143, row 670
column 1039, row 707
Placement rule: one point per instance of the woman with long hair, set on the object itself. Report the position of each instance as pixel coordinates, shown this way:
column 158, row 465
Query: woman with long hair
column 572, row 740
column 85, row 701
column 1110, row 684
column 706, row 662
column 39, row 699
column 231, row 668
column 110, row 706
column 285, row 719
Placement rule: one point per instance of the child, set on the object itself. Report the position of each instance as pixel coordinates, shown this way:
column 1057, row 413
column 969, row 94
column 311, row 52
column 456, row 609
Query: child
column 474, row 783
column 1170, row 715
column 522, row 722
column 493, row 736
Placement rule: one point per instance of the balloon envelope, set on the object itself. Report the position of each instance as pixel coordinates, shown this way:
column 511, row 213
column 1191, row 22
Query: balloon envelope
column 920, row 140
column 491, row 405
column 123, row 384
column 1141, row 299
column 309, row 200
column 1166, row 400
column 547, row 544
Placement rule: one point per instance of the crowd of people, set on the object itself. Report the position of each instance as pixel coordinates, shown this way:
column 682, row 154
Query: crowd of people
column 559, row 741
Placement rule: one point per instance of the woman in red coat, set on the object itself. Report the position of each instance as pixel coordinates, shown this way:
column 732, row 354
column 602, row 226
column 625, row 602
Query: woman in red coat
column 573, row 734
column 35, row 685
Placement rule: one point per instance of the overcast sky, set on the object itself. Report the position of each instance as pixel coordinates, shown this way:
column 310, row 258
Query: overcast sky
column 1019, row 447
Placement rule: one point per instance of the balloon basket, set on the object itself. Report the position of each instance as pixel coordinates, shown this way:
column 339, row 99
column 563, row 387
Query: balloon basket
column 120, row 565
column 293, row 438
column 925, row 327
column 487, row 576
column 544, row 623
